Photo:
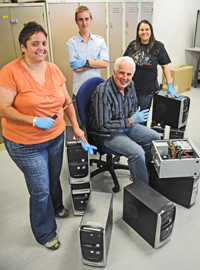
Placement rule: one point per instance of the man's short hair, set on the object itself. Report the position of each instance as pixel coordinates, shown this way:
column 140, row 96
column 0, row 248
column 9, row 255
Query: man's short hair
column 82, row 9
column 124, row 59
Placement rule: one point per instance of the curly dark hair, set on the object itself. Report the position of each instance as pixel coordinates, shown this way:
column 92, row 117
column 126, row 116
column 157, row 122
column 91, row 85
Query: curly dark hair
column 29, row 29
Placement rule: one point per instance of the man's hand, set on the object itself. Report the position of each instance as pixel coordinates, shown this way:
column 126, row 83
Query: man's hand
column 140, row 117
column 44, row 122
column 79, row 63
column 171, row 91
column 88, row 147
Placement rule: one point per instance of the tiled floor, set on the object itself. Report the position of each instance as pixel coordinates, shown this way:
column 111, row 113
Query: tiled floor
column 20, row 251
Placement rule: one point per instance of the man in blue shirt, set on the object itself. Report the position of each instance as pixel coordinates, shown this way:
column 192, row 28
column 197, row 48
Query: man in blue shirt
column 87, row 53
column 114, row 110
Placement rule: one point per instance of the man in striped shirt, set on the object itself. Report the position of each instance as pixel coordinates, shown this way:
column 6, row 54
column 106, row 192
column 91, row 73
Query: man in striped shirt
column 114, row 110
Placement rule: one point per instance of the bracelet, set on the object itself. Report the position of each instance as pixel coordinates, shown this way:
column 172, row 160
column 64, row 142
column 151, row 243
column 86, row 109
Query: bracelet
column 130, row 121
column 34, row 120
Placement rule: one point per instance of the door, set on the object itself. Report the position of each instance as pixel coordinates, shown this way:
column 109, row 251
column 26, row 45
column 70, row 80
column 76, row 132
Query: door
column 131, row 21
column 115, row 33
column 147, row 11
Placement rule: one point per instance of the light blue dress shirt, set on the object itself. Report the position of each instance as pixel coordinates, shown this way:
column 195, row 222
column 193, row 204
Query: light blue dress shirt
column 94, row 49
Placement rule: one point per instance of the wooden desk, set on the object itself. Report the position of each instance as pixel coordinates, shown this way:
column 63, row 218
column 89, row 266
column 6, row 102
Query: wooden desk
column 196, row 49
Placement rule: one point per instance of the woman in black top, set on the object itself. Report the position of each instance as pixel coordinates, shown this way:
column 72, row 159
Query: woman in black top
column 147, row 53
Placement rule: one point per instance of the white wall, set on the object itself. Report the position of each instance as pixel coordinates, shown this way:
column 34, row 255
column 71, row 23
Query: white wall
column 173, row 24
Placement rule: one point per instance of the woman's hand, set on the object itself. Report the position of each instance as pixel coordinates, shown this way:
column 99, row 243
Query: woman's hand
column 79, row 134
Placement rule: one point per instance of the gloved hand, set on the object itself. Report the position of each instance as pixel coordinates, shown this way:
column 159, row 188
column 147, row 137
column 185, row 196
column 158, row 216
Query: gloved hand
column 171, row 91
column 44, row 122
column 88, row 147
column 80, row 62
column 140, row 117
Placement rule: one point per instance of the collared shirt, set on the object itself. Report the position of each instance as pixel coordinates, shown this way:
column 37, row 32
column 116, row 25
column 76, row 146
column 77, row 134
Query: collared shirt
column 109, row 109
column 94, row 49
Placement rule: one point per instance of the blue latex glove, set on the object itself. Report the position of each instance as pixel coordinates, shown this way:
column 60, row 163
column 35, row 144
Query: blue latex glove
column 140, row 117
column 79, row 63
column 171, row 91
column 44, row 122
column 88, row 147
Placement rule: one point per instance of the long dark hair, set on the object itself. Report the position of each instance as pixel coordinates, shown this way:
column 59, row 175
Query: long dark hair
column 137, row 42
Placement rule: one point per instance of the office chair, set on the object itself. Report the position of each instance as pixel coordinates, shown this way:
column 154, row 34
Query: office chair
column 96, row 138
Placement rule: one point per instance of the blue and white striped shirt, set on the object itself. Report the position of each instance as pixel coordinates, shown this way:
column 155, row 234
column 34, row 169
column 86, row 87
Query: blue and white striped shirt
column 109, row 109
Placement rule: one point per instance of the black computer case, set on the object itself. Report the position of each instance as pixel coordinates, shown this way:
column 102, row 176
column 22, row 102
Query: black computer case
column 80, row 195
column 181, row 190
column 77, row 159
column 149, row 213
column 170, row 111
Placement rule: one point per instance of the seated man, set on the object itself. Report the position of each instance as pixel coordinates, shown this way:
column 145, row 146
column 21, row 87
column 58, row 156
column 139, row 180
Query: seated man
column 114, row 110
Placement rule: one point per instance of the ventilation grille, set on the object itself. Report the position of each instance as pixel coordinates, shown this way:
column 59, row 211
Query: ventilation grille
column 131, row 9
column 115, row 10
column 147, row 9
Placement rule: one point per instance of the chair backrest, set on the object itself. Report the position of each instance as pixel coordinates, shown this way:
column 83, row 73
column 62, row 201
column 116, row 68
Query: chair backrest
column 83, row 98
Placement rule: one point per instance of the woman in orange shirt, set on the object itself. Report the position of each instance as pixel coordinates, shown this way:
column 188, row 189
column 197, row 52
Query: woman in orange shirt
column 32, row 90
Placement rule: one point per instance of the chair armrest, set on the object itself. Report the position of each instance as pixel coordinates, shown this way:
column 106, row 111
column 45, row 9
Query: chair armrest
column 97, row 134
column 98, row 139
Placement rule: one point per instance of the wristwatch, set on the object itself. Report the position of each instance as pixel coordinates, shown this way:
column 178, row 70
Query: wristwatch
column 87, row 64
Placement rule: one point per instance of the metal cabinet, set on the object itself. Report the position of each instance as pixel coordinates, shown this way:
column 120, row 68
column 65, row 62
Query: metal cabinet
column 147, row 11
column 131, row 21
column 12, row 19
column 115, row 32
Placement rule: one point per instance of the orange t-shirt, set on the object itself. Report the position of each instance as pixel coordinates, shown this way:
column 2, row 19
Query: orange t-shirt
column 33, row 99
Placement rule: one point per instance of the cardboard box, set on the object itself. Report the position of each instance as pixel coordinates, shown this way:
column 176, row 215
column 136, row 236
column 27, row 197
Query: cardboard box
column 181, row 78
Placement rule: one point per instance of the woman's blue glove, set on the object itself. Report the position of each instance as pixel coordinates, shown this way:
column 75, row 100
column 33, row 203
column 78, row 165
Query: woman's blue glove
column 79, row 63
column 171, row 91
column 140, row 117
column 88, row 147
column 44, row 122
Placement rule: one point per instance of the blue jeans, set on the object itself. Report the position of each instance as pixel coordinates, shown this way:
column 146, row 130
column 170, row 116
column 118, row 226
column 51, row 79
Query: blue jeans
column 135, row 144
column 41, row 165
column 144, row 101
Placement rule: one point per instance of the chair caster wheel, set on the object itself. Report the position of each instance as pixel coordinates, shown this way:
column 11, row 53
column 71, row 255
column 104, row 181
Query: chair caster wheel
column 115, row 189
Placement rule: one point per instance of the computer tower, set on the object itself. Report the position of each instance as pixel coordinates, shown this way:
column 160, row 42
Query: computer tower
column 149, row 213
column 175, row 158
column 79, row 195
column 177, row 133
column 95, row 229
column 77, row 159
column 170, row 111
column 181, row 190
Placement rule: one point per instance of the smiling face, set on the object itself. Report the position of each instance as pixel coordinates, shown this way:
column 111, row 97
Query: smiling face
column 36, row 47
column 144, row 33
column 123, row 75
column 83, row 21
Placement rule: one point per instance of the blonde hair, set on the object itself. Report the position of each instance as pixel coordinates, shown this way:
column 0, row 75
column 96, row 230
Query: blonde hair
column 82, row 9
